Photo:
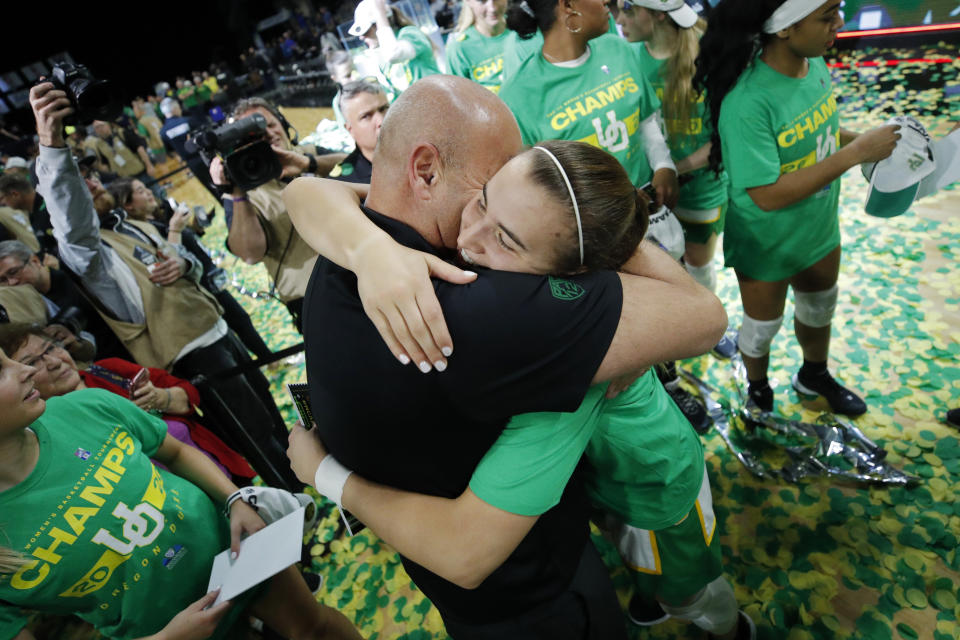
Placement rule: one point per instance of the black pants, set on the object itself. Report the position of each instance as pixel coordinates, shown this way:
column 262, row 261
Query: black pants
column 587, row 610
column 241, row 409
column 239, row 320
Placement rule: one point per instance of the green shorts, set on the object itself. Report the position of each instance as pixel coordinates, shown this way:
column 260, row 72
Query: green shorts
column 671, row 564
column 700, row 224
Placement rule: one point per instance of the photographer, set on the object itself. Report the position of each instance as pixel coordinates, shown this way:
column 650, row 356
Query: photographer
column 140, row 204
column 137, row 281
column 259, row 228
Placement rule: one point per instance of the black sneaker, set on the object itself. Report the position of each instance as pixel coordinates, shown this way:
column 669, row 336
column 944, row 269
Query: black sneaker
column 727, row 347
column 953, row 418
column 840, row 399
column 691, row 408
column 746, row 629
column 644, row 613
column 761, row 396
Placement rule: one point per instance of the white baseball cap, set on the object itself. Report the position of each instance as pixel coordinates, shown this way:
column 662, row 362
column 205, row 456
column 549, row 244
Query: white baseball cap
column 364, row 17
column 682, row 14
column 16, row 162
column 895, row 181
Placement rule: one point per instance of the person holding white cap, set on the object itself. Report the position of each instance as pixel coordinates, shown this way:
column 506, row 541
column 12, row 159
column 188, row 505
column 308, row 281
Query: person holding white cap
column 404, row 53
column 777, row 131
column 667, row 36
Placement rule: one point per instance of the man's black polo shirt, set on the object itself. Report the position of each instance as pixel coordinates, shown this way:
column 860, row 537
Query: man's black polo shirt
column 521, row 343
column 354, row 168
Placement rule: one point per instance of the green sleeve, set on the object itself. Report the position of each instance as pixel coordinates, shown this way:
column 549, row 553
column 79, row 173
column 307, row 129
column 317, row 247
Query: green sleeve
column 420, row 42
column 527, row 468
column 146, row 428
column 455, row 60
column 751, row 156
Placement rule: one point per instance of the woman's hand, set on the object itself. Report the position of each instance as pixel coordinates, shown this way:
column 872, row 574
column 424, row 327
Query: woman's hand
column 398, row 297
column 150, row 398
column 305, row 452
column 667, row 186
column 877, row 144
column 243, row 521
column 195, row 622
column 179, row 219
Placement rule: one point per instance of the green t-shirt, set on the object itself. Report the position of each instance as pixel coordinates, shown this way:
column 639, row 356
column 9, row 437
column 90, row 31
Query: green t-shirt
column 517, row 50
column 188, row 101
column 202, row 93
column 645, row 460
column 771, row 125
column 601, row 102
column 704, row 190
column 480, row 58
column 403, row 74
column 108, row 536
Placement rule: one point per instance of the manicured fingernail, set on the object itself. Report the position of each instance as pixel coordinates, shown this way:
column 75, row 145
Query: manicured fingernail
column 446, row 351
column 403, row 358
column 470, row 273
column 424, row 366
column 233, row 555
column 440, row 365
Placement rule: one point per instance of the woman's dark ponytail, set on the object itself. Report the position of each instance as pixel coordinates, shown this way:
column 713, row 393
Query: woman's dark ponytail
column 733, row 39
column 526, row 25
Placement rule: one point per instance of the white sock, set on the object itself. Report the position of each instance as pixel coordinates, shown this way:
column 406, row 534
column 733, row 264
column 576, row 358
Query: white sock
column 705, row 275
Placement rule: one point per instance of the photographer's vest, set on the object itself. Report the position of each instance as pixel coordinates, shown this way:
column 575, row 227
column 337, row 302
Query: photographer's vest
column 22, row 305
column 18, row 224
column 289, row 260
column 176, row 315
column 152, row 126
column 122, row 160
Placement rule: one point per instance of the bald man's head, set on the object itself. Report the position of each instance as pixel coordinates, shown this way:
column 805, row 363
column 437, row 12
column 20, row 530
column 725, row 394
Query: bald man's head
column 462, row 131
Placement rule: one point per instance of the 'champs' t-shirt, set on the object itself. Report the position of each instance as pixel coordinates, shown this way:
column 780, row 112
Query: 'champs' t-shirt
column 771, row 125
column 478, row 57
column 403, row 74
column 645, row 460
column 601, row 102
column 704, row 190
column 107, row 536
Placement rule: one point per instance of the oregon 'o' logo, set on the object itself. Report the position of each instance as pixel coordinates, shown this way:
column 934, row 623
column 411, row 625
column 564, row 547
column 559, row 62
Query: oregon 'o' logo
column 565, row 290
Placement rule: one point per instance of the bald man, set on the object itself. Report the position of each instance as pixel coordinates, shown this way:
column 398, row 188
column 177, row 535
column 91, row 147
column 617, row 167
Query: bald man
column 520, row 348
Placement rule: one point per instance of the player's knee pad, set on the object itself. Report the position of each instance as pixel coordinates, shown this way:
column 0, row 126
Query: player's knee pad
column 815, row 308
column 757, row 335
column 705, row 275
column 714, row 609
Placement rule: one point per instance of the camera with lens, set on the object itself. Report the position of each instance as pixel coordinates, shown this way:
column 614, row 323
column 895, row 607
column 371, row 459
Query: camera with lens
column 73, row 318
column 90, row 98
column 248, row 158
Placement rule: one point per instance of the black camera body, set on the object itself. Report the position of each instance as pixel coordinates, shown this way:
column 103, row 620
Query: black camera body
column 243, row 145
column 90, row 98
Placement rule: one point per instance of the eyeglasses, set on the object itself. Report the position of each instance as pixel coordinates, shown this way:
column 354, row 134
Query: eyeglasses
column 12, row 276
column 47, row 354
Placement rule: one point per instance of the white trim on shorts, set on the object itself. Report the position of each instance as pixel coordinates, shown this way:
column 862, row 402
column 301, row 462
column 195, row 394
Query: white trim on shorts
column 698, row 216
column 638, row 547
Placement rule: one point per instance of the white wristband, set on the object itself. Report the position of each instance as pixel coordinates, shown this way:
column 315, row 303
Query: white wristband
column 330, row 478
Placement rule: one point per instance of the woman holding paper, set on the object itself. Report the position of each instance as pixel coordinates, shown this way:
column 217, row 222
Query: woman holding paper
column 90, row 527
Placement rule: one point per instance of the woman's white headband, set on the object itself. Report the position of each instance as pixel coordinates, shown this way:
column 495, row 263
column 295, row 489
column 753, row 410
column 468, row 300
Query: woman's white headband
column 790, row 13
column 573, row 198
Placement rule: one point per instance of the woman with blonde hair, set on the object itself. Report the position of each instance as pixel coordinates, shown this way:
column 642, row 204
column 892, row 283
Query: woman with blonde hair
column 475, row 49
column 667, row 36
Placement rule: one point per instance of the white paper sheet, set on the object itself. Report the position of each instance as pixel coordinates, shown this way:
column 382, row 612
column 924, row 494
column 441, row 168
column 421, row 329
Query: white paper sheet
column 262, row 555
